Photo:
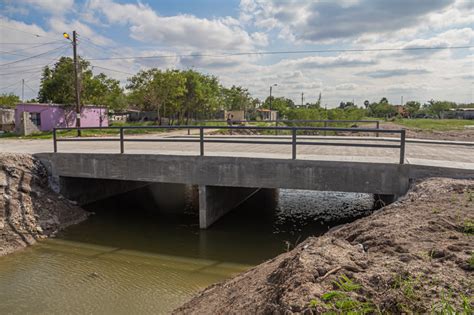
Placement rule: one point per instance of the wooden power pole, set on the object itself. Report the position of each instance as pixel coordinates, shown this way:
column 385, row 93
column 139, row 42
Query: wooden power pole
column 76, row 79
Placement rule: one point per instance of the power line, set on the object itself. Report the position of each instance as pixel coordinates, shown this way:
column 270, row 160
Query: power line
column 31, row 57
column 18, row 30
column 29, row 87
column 111, row 70
column 6, row 87
column 44, row 44
column 285, row 52
column 24, row 44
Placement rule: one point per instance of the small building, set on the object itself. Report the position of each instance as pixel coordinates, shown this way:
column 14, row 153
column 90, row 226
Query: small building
column 463, row 113
column 401, row 110
column 30, row 118
column 267, row 114
column 234, row 115
column 7, row 119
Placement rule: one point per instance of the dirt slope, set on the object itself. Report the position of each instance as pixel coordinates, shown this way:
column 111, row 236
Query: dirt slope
column 415, row 255
column 29, row 210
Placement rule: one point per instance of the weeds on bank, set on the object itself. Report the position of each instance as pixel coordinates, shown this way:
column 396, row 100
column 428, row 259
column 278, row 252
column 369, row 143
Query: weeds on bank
column 446, row 306
column 468, row 227
column 436, row 210
column 471, row 260
column 339, row 301
column 407, row 286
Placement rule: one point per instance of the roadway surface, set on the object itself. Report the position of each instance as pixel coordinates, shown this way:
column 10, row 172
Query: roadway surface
column 434, row 153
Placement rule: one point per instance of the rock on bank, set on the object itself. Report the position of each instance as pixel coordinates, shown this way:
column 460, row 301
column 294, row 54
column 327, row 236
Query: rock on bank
column 413, row 256
column 29, row 210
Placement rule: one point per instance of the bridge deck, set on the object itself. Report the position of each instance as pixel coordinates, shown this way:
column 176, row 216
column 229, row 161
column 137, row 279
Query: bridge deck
column 442, row 155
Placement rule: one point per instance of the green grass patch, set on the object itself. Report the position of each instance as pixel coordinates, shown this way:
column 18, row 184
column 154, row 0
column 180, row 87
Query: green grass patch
column 435, row 124
column 340, row 302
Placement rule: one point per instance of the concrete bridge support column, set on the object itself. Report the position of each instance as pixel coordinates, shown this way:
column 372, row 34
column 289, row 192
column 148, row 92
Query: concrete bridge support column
column 215, row 201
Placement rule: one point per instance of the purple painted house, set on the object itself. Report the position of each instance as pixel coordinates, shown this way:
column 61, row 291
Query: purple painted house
column 45, row 117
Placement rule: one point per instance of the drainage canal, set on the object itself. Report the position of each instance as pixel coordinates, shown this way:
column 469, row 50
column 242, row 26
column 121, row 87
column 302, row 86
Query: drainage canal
column 142, row 254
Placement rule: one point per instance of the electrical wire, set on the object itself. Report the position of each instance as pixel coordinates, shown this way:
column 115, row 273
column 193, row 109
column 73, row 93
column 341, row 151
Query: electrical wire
column 35, row 56
column 93, row 66
column 284, row 52
column 44, row 44
column 18, row 30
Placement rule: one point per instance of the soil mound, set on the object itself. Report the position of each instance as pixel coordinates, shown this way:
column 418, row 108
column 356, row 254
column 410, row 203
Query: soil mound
column 413, row 256
column 29, row 209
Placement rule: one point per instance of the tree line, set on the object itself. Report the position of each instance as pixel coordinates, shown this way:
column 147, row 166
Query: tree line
column 181, row 95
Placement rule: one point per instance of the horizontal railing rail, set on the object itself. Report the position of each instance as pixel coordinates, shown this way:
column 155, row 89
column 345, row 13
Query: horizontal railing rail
column 325, row 122
column 202, row 140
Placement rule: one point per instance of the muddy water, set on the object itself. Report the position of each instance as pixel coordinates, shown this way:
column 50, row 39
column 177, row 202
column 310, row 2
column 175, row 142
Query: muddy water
column 118, row 263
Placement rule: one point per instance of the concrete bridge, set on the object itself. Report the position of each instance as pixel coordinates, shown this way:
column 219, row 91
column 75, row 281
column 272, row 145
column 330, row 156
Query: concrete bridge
column 237, row 167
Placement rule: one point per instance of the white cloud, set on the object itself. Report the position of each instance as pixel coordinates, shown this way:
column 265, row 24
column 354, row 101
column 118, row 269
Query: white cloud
column 182, row 30
column 54, row 7
column 322, row 21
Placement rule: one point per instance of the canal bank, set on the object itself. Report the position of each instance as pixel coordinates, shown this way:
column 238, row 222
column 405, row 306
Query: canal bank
column 413, row 256
column 29, row 210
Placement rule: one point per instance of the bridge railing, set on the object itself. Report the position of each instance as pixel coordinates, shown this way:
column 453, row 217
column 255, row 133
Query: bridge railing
column 296, row 122
column 294, row 142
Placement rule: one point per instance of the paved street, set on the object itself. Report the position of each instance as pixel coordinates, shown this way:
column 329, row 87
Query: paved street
column 447, row 155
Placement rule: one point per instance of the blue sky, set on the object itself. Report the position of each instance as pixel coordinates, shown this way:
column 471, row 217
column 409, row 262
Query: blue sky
column 180, row 29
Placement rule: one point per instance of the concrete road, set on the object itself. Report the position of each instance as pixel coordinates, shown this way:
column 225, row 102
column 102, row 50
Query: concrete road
column 435, row 154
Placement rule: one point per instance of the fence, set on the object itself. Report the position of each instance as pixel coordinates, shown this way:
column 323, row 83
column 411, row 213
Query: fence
column 202, row 140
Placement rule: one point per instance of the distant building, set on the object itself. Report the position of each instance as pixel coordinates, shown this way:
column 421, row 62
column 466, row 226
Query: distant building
column 267, row 114
column 7, row 119
column 234, row 115
column 401, row 110
column 30, row 118
column 463, row 113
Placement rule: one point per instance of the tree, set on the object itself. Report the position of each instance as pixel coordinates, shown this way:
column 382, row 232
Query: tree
column 412, row 108
column 202, row 95
column 347, row 105
column 57, row 86
column 168, row 88
column 9, row 100
column 236, row 98
column 382, row 109
column 280, row 104
column 437, row 108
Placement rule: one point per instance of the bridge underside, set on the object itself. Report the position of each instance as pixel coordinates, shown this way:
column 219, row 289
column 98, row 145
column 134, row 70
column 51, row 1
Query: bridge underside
column 225, row 182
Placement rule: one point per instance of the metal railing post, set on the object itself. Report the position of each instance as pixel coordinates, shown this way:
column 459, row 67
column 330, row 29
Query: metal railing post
column 293, row 144
column 201, row 141
column 402, row 147
column 276, row 129
column 325, row 126
column 122, row 147
column 378, row 127
column 55, row 144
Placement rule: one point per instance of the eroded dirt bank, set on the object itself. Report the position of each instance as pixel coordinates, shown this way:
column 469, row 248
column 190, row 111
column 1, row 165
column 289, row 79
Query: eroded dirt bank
column 29, row 210
column 415, row 255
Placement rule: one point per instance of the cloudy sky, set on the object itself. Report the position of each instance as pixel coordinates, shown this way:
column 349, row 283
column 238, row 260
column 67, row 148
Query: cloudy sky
column 213, row 36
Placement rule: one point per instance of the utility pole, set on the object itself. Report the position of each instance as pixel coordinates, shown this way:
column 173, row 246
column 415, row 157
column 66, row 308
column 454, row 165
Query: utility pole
column 23, row 90
column 271, row 87
column 76, row 81
column 302, row 99
column 402, row 101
